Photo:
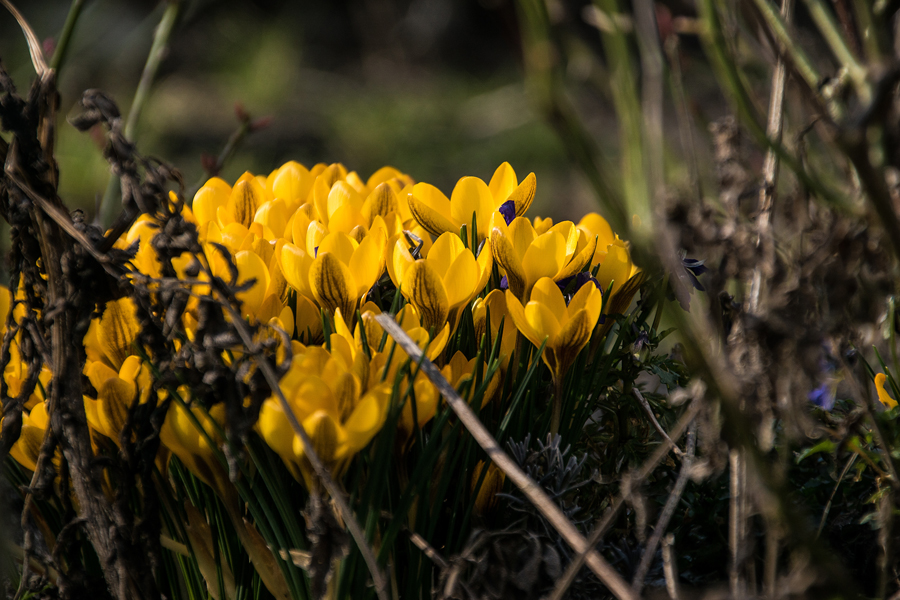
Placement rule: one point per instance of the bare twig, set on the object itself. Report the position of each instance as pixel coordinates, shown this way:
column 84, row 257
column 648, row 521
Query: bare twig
column 827, row 508
column 670, row 570
column 774, row 128
column 649, row 410
column 631, row 481
column 34, row 45
column 637, row 583
column 529, row 488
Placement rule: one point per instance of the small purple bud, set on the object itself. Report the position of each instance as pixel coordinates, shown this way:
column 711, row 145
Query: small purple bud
column 504, row 283
column 508, row 210
column 316, row 252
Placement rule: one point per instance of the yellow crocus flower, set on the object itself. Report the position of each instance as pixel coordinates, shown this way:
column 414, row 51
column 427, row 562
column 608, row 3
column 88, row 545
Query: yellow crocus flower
column 291, row 182
column 494, row 304
column 180, row 434
column 471, row 196
column 116, row 391
column 111, row 337
column 340, row 272
column 882, row 393
column 566, row 329
column 443, row 282
column 27, row 448
column 486, row 500
column 460, row 369
column 328, row 401
column 526, row 256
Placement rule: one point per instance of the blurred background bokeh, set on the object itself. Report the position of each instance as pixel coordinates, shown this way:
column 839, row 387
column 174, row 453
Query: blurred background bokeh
column 432, row 87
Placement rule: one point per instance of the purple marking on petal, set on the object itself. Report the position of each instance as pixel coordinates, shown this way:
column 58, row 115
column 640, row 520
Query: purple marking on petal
column 316, row 252
column 508, row 210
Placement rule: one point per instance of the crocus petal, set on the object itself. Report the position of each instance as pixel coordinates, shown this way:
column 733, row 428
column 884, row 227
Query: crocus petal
column 523, row 195
column 118, row 330
column 431, row 209
column 578, row 262
column 399, row 259
column 444, row 252
column 588, row 298
column 505, row 255
column 547, row 293
column 115, row 397
column 595, row 225
column 521, row 234
column 367, row 418
column 292, row 183
column 326, row 435
column 381, row 201
column 472, row 196
column 251, row 266
column 545, row 257
column 367, row 262
column 461, row 279
column 333, row 284
column 208, row 200
column 542, row 320
column 882, row 394
column 517, row 312
column 246, row 198
column 616, row 268
column 572, row 337
column 338, row 243
column 426, row 292
column 296, row 264
column 502, row 184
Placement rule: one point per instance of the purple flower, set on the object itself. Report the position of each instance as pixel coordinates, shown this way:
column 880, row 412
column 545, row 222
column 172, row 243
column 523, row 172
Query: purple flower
column 504, row 283
column 694, row 269
column 508, row 210
column 823, row 396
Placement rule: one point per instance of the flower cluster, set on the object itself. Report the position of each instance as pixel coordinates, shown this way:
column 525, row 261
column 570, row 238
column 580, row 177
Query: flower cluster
column 317, row 254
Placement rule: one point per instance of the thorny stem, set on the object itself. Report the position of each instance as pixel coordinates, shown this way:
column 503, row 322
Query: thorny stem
column 62, row 45
column 157, row 52
column 529, row 488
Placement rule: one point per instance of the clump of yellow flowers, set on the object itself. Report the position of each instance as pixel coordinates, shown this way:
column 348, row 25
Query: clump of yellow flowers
column 318, row 252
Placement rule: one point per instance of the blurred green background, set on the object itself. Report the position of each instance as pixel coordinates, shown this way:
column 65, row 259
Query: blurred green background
column 432, row 87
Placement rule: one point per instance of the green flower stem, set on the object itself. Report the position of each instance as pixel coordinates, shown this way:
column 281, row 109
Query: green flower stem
column 545, row 85
column 558, row 388
column 108, row 207
column 65, row 36
column 792, row 51
column 829, row 30
column 632, row 133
